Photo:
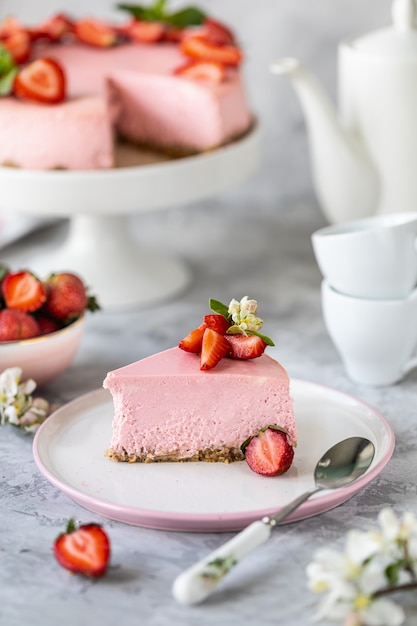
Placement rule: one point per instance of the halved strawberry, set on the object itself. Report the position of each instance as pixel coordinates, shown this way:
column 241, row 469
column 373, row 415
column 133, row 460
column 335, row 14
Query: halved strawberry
column 42, row 80
column 83, row 550
column 143, row 31
column 95, row 33
column 269, row 453
column 23, row 291
column 209, row 71
column 214, row 347
column 246, row 346
column 217, row 322
column 17, row 43
column 200, row 47
column 194, row 340
column 217, row 32
column 10, row 25
column 54, row 28
column 17, row 325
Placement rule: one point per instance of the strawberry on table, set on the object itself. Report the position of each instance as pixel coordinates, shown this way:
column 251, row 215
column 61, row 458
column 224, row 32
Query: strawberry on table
column 67, row 297
column 16, row 325
column 269, row 453
column 42, row 80
column 83, row 550
column 23, row 291
column 210, row 71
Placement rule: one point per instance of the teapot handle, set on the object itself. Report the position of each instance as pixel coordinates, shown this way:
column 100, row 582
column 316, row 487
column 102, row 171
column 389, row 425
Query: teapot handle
column 404, row 14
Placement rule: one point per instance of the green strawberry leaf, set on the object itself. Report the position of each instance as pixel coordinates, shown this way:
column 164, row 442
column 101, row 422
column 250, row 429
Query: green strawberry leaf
column 6, row 61
column 267, row 340
column 189, row 16
column 6, row 82
column 219, row 307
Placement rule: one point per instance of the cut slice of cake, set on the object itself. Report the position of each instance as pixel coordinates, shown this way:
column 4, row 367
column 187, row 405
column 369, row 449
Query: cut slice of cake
column 168, row 408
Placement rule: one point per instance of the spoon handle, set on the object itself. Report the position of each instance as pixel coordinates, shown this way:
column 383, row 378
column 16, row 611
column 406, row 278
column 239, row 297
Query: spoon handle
column 198, row 582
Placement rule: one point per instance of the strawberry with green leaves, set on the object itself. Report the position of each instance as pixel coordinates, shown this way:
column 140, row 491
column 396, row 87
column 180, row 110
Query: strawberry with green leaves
column 234, row 333
column 83, row 550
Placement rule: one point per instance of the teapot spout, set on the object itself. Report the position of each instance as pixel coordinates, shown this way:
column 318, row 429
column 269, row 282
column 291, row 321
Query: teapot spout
column 344, row 177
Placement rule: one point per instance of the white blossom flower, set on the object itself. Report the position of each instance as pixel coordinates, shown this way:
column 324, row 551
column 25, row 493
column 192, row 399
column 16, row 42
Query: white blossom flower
column 17, row 406
column 243, row 315
column 373, row 564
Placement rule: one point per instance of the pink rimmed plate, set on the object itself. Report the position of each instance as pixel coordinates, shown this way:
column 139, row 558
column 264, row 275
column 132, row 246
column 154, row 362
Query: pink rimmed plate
column 204, row 497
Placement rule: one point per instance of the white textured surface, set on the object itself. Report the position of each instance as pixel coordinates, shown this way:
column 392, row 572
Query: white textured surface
column 253, row 240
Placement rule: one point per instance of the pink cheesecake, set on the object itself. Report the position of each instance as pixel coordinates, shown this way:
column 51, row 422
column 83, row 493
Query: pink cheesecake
column 130, row 91
column 167, row 409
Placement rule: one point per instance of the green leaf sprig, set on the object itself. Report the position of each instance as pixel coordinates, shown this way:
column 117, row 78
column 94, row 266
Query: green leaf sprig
column 189, row 16
column 8, row 71
column 222, row 309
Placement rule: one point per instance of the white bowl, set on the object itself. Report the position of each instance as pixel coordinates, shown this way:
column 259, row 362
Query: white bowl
column 43, row 358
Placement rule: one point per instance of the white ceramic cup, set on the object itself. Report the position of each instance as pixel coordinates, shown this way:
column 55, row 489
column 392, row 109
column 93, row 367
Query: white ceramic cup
column 374, row 257
column 376, row 339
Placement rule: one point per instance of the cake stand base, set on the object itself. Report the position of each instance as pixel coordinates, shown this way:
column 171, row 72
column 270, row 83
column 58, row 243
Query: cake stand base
column 113, row 265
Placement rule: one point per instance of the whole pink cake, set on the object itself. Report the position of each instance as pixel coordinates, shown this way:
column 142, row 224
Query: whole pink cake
column 151, row 93
column 202, row 400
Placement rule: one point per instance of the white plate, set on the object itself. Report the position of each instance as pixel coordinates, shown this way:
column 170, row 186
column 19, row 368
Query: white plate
column 69, row 450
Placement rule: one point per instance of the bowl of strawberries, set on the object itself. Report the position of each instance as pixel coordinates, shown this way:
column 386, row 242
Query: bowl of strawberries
column 41, row 321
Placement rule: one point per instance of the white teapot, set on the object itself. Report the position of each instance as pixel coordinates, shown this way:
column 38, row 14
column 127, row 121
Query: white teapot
column 364, row 160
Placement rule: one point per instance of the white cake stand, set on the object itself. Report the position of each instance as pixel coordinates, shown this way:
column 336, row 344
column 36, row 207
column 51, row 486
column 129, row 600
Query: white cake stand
column 99, row 245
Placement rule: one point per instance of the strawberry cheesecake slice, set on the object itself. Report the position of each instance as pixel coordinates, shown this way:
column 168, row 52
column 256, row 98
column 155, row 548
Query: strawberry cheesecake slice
column 170, row 407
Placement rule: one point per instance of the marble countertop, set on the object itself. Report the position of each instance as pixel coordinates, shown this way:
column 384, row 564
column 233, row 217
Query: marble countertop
column 232, row 250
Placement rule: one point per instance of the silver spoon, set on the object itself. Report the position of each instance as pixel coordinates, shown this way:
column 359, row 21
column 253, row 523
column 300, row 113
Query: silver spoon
column 340, row 466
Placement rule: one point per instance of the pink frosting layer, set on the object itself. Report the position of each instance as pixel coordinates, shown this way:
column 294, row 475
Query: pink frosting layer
column 166, row 403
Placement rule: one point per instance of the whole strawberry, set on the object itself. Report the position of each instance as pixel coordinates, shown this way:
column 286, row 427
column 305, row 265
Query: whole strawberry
column 67, row 297
column 83, row 550
column 17, row 325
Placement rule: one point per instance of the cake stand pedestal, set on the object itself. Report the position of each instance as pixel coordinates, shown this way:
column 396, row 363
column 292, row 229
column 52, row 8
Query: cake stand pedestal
column 99, row 245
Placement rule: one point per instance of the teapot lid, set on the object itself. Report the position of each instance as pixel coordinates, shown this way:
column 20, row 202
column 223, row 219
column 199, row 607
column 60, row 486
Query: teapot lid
column 398, row 41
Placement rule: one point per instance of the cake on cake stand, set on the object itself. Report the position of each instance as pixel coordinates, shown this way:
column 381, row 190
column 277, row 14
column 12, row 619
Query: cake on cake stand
column 99, row 245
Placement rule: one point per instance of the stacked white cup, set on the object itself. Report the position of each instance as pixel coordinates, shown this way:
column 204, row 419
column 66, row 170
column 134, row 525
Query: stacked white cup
column 369, row 295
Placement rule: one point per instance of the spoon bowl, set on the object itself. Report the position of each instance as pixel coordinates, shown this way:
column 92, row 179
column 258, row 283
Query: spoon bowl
column 340, row 466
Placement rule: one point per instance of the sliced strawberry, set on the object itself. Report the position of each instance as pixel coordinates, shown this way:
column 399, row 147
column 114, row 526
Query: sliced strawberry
column 17, row 325
column 17, row 43
column 246, row 346
column 209, row 71
column 42, row 80
column 214, row 347
column 193, row 341
column 217, row 322
column 55, row 28
column 95, row 33
column 218, row 33
column 83, row 550
column 172, row 34
column 23, row 291
column 10, row 25
column 269, row 453
column 143, row 31
column 200, row 47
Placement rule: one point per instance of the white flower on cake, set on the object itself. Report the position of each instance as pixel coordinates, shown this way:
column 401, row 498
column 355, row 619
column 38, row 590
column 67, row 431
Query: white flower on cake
column 17, row 406
column 243, row 315
column 373, row 565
